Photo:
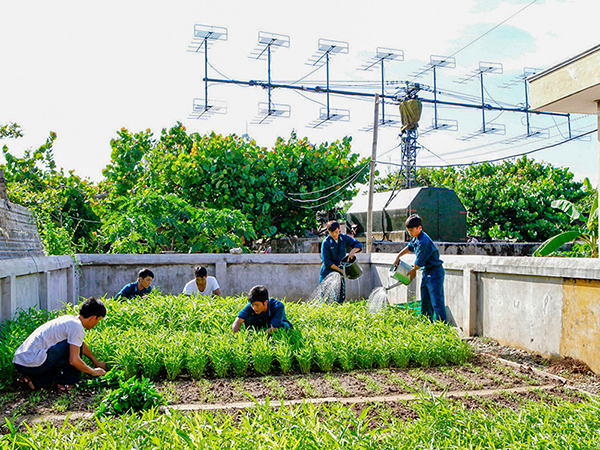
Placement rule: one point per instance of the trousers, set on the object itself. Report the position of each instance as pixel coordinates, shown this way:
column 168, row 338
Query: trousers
column 432, row 294
column 56, row 368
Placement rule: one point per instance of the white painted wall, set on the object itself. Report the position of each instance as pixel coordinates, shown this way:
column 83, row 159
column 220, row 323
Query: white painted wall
column 515, row 300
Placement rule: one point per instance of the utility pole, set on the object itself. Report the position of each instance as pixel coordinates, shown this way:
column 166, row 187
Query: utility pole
column 372, row 177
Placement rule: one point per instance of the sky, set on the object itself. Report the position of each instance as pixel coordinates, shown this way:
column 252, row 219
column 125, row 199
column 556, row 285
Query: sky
column 87, row 69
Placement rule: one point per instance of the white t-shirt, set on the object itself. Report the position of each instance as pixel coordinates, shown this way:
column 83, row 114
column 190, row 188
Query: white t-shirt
column 32, row 352
column 192, row 288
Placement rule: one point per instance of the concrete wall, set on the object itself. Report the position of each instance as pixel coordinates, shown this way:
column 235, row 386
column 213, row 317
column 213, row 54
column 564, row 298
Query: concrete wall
column 290, row 276
column 19, row 237
column 45, row 283
column 550, row 306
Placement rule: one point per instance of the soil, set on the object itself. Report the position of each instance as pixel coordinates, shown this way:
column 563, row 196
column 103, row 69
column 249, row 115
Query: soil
column 484, row 373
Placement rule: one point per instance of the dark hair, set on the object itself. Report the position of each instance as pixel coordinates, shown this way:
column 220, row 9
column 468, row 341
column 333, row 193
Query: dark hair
column 145, row 273
column 92, row 307
column 200, row 271
column 414, row 221
column 332, row 225
column 258, row 294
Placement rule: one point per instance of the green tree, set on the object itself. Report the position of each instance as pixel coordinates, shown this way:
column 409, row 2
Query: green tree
column 11, row 130
column 150, row 222
column 511, row 200
column 215, row 172
column 61, row 202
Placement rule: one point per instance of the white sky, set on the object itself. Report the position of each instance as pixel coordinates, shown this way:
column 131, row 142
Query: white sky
column 84, row 70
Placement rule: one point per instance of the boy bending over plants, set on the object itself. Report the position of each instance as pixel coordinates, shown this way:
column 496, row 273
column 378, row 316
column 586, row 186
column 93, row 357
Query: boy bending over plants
column 428, row 258
column 262, row 313
column 138, row 288
column 52, row 353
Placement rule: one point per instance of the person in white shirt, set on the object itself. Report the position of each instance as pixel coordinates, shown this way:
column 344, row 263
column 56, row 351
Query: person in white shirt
column 202, row 284
column 52, row 353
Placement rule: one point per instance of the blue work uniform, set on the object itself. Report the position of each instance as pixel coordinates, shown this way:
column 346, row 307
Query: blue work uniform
column 432, row 283
column 274, row 316
column 131, row 290
column 333, row 252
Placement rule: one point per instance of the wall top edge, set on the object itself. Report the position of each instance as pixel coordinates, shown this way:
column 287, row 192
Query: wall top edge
column 30, row 265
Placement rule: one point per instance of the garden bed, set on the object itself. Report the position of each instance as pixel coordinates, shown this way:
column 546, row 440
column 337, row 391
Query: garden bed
column 417, row 375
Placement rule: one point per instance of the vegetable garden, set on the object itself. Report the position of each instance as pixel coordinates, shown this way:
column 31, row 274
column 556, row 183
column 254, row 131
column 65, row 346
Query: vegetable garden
column 362, row 371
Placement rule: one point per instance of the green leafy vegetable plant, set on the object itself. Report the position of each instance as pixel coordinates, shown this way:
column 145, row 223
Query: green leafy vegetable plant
column 131, row 396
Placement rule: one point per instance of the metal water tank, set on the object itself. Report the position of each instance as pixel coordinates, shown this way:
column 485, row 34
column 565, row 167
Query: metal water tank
column 444, row 216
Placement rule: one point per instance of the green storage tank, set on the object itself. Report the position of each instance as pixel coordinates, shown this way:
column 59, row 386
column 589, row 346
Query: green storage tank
column 444, row 216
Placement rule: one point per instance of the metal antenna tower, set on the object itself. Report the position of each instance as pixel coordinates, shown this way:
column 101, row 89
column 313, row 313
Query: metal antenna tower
column 408, row 144
column 205, row 35
column 267, row 44
column 527, row 72
column 435, row 62
column 325, row 50
column 381, row 56
column 491, row 68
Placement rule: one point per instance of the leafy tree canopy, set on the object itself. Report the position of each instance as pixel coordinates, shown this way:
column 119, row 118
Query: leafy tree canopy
column 511, row 200
column 62, row 202
column 231, row 172
column 150, row 222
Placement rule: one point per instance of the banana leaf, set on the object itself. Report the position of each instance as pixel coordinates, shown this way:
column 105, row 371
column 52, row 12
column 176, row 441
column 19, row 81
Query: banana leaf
column 554, row 243
column 567, row 207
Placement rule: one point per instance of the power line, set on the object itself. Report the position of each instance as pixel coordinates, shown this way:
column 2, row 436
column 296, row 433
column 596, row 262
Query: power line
column 504, row 157
column 480, row 37
column 332, row 194
column 492, row 29
column 332, row 186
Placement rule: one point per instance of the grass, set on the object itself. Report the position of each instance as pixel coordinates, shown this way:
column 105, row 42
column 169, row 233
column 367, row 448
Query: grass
column 440, row 424
column 169, row 392
column 419, row 374
column 372, row 384
column 337, row 385
column 276, row 388
column 306, row 387
column 206, row 392
column 451, row 372
column 62, row 403
column 168, row 336
column 398, row 380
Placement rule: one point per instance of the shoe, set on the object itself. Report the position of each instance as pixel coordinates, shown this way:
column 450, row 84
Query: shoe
column 26, row 382
column 65, row 387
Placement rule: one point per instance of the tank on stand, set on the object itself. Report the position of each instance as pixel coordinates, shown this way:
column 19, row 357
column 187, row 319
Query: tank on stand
column 444, row 216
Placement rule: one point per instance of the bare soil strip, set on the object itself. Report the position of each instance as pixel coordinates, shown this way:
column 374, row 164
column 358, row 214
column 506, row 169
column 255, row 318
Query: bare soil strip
column 487, row 376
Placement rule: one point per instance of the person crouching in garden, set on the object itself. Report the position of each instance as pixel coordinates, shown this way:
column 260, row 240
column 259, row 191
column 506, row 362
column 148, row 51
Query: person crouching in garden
column 138, row 288
column 52, row 353
column 262, row 313
column 333, row 250
column 202, row 285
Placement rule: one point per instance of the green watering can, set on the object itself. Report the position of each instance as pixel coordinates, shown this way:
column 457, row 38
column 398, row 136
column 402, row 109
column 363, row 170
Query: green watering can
column 400, row 273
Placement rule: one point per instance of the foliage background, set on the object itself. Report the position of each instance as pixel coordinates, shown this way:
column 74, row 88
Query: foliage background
column 186, row 192
column 183, row 192
column 506, row 201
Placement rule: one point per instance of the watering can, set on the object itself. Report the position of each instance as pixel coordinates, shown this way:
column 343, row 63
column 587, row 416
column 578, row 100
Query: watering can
column 351, row 268
column 400, row 273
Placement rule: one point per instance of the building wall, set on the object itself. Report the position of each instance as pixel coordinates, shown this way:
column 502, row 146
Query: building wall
column 550, row 306
column 19, row 237
column 45, row 283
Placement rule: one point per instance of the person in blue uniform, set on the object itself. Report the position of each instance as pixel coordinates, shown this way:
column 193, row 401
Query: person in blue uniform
column 138, row 288
column 262, row 313
column 428, row 259
column 333, row 250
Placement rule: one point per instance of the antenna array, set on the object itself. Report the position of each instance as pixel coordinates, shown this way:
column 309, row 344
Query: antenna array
column 205, row 36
